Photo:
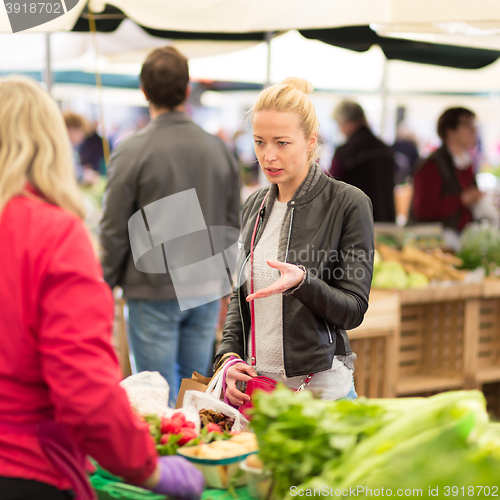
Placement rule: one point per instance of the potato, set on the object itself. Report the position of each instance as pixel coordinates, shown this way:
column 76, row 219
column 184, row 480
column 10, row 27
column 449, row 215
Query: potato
column 244, row 437
column 206, row 451
column 247, row 440
column 191, row 450
column 228, row 449
column 223, row 445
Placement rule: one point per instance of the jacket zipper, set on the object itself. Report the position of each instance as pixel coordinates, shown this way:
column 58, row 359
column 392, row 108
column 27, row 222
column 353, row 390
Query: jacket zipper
column 283, row 372
column 289, row 235
column 329, row 332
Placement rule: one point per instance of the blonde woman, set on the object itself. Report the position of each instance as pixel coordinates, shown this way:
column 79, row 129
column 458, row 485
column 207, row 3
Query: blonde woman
column 60, row 397
column 307, row 260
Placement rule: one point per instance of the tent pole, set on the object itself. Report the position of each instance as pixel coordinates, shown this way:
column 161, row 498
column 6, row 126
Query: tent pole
column 383, row 98
column 48, row 64
column 268, row 38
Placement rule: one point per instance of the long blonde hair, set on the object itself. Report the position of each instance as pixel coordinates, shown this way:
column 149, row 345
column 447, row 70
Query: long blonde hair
column 34, row 146
column 292, row 95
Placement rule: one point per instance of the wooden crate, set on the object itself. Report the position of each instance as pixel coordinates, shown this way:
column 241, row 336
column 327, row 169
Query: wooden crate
column 374, row 342
column 491, row 392
column 486, row 344
column 435, row 327
column 120, row 341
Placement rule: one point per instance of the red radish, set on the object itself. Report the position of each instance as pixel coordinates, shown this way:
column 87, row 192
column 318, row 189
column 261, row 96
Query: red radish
column 186, row 436
column 188, row 425
column 213, row 428
column 164, row 439
column 171, row 427
column 164, row 422
column 180, row 417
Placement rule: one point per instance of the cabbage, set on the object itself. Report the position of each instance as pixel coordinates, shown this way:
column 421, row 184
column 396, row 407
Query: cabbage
column 390, row 275
column 417, row 280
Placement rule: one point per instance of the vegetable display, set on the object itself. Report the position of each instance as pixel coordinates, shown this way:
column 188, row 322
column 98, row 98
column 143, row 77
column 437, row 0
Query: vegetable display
column 172, row 433
column 480, row 247
column 446, row 439
column 216, row 420
column 413, row 268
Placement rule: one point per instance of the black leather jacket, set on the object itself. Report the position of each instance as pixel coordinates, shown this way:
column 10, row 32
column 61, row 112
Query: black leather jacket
column 331, row 235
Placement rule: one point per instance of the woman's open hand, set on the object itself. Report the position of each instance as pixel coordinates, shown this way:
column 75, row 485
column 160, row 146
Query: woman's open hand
column 238, row 372
column 291, row 276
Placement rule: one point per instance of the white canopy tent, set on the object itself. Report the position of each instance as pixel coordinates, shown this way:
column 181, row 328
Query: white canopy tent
column 265, row 15
column 333, row 68
column 222, row 16
column 128, row 45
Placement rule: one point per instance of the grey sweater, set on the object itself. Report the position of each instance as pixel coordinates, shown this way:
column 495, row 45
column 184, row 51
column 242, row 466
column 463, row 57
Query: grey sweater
column 171, row 155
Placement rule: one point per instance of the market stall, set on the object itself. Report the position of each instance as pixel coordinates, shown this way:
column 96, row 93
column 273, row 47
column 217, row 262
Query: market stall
column 432, row 332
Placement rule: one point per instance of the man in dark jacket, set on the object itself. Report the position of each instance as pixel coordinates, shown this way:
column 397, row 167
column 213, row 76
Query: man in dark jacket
column 174, row 190
column 365, row 161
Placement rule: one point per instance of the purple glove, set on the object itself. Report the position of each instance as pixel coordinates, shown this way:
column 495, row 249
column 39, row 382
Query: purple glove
column 179, row 479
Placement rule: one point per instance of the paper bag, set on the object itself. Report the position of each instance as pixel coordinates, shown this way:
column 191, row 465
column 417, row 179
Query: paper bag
column 196, row 383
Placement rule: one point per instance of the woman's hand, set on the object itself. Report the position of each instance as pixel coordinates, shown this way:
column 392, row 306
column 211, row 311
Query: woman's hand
column 238, row 372
column 291, row 276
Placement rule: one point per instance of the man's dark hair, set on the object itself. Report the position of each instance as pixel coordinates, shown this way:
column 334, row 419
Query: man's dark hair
column 450, row 118
column 165, row 77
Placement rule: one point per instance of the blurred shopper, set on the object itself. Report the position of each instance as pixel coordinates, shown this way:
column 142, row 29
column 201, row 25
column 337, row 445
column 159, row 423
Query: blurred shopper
column 364, row 161
column 91, row 151
column 169, row 156
column 405, row 153
column 445, row 188
column 308, row 258
column 60, row 397
column 76, row 126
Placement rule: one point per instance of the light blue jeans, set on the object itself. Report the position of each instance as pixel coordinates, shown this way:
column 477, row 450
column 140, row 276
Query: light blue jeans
column 173, row 342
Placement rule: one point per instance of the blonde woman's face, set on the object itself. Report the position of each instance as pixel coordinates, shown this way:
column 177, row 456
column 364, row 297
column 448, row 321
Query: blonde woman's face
column 281, row 147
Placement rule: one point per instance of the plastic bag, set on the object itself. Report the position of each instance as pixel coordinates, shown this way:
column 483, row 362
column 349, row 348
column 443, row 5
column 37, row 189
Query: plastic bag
column 148, row 393
column 196, row 401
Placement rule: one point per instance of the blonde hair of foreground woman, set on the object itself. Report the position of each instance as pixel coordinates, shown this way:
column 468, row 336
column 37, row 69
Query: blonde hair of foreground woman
column 34, row 146
column 292, row 95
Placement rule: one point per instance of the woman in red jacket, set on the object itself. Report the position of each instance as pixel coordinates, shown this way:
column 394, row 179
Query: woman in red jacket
column 60, row 398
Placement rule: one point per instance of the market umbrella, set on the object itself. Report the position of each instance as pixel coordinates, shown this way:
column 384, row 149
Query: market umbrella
column 222, row 16
column 361, row 38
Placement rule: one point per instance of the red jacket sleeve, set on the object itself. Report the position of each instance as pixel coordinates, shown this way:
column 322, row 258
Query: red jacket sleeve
column 78, row 362
column 428, row 202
